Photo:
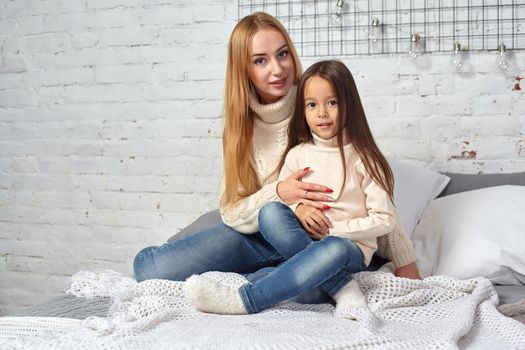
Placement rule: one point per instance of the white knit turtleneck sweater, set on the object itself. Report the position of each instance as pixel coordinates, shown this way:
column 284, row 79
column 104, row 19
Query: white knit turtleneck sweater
column 363, row 211
column 270, row 136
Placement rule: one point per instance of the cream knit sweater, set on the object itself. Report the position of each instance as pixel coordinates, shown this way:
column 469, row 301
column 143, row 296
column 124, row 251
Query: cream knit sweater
column 270, row 136
column 269, row 142
column 363, row 210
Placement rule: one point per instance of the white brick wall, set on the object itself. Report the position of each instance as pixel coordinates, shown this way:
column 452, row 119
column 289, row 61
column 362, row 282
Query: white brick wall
column 110, row 128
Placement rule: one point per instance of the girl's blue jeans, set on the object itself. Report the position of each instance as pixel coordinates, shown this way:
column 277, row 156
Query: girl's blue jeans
column 281, row 261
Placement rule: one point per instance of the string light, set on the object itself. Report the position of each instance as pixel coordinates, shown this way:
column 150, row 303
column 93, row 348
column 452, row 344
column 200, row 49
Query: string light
column 415, row 45
column 501, row 61
column 337, row 17
column 457, row 61
column 375, row 31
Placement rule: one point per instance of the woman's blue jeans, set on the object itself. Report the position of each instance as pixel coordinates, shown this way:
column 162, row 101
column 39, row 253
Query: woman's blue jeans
column 326, row 264
column 217, row 249
column 262, row 257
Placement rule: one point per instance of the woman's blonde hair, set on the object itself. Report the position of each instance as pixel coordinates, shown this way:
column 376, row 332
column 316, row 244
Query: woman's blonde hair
column 240, row 179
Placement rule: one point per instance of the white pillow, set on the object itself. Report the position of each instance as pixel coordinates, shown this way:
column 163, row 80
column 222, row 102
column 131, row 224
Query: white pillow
column 474, row 233
column 414, row 188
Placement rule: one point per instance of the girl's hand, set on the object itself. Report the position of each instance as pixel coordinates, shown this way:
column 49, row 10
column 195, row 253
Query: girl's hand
column 314, row 221
column 293, row 190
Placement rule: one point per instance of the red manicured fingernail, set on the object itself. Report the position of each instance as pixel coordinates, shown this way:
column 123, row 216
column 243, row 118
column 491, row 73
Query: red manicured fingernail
column 329, row 190
column 307, row 168
column 326, row 206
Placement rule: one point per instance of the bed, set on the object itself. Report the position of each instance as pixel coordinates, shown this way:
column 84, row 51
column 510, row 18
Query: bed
column 426, row 198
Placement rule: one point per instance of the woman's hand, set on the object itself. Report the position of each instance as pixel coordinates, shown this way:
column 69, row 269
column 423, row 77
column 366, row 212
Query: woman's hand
column 314, row 221
column 408, row 271
column 293, row 190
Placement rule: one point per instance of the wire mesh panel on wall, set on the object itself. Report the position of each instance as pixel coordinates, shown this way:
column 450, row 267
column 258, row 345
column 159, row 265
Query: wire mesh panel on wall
column 338, row 27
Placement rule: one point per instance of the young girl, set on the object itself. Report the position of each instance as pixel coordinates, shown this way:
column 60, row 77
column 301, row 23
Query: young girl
column 329, row 133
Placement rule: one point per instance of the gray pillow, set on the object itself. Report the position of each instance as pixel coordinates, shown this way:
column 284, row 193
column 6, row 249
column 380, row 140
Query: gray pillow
column 467, row 182
column 203, row 222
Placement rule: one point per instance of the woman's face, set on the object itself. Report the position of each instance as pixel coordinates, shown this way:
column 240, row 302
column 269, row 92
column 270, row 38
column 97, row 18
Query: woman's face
column 271, row 67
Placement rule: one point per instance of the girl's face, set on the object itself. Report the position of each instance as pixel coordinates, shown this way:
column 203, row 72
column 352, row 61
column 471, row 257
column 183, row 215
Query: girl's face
column 321, row 107
column 271, row 68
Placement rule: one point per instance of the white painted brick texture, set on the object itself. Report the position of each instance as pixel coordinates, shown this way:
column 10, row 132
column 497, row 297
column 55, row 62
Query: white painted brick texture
column 109, row 133
column 110, row 126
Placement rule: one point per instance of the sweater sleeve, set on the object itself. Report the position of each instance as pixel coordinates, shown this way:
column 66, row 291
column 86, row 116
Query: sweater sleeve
column 381, row 218
column 242, row 216
column 397, row 247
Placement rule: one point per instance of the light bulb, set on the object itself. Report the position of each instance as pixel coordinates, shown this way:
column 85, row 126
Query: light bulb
column 458, row 62
column 415, row 45
column 375, row 31
column 501, row 61
column 337, row 17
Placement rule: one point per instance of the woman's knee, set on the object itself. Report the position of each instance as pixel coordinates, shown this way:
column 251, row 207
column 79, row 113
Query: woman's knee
column 275, row 217
column 272, row 211
column 280, row 227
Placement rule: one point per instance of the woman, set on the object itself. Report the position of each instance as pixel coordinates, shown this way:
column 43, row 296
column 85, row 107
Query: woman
column 262, row 72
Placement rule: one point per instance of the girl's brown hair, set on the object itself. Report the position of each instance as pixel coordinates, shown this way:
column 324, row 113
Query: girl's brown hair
column 351, row 120
column 240, row 179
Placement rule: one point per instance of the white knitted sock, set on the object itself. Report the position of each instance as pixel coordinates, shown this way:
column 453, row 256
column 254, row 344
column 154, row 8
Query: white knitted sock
column 211, row 296
column 350, row 301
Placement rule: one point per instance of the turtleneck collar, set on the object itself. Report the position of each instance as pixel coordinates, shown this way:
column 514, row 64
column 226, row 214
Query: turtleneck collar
column 332, row 142
column 274, row 112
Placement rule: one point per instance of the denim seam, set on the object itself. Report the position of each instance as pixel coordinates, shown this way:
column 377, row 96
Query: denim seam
column 250, row 307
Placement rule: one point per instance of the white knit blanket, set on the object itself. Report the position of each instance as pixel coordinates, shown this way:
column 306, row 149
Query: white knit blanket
column 436, row 313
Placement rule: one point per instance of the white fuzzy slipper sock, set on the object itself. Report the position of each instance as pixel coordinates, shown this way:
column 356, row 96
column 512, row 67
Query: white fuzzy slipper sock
column 350, row 301
column 211, row 296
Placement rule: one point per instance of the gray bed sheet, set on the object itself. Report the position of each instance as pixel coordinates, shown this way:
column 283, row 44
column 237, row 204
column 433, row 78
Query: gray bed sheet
column 68, row 306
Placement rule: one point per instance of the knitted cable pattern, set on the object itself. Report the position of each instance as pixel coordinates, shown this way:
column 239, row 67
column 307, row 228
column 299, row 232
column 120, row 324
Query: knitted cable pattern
column 269, row 142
